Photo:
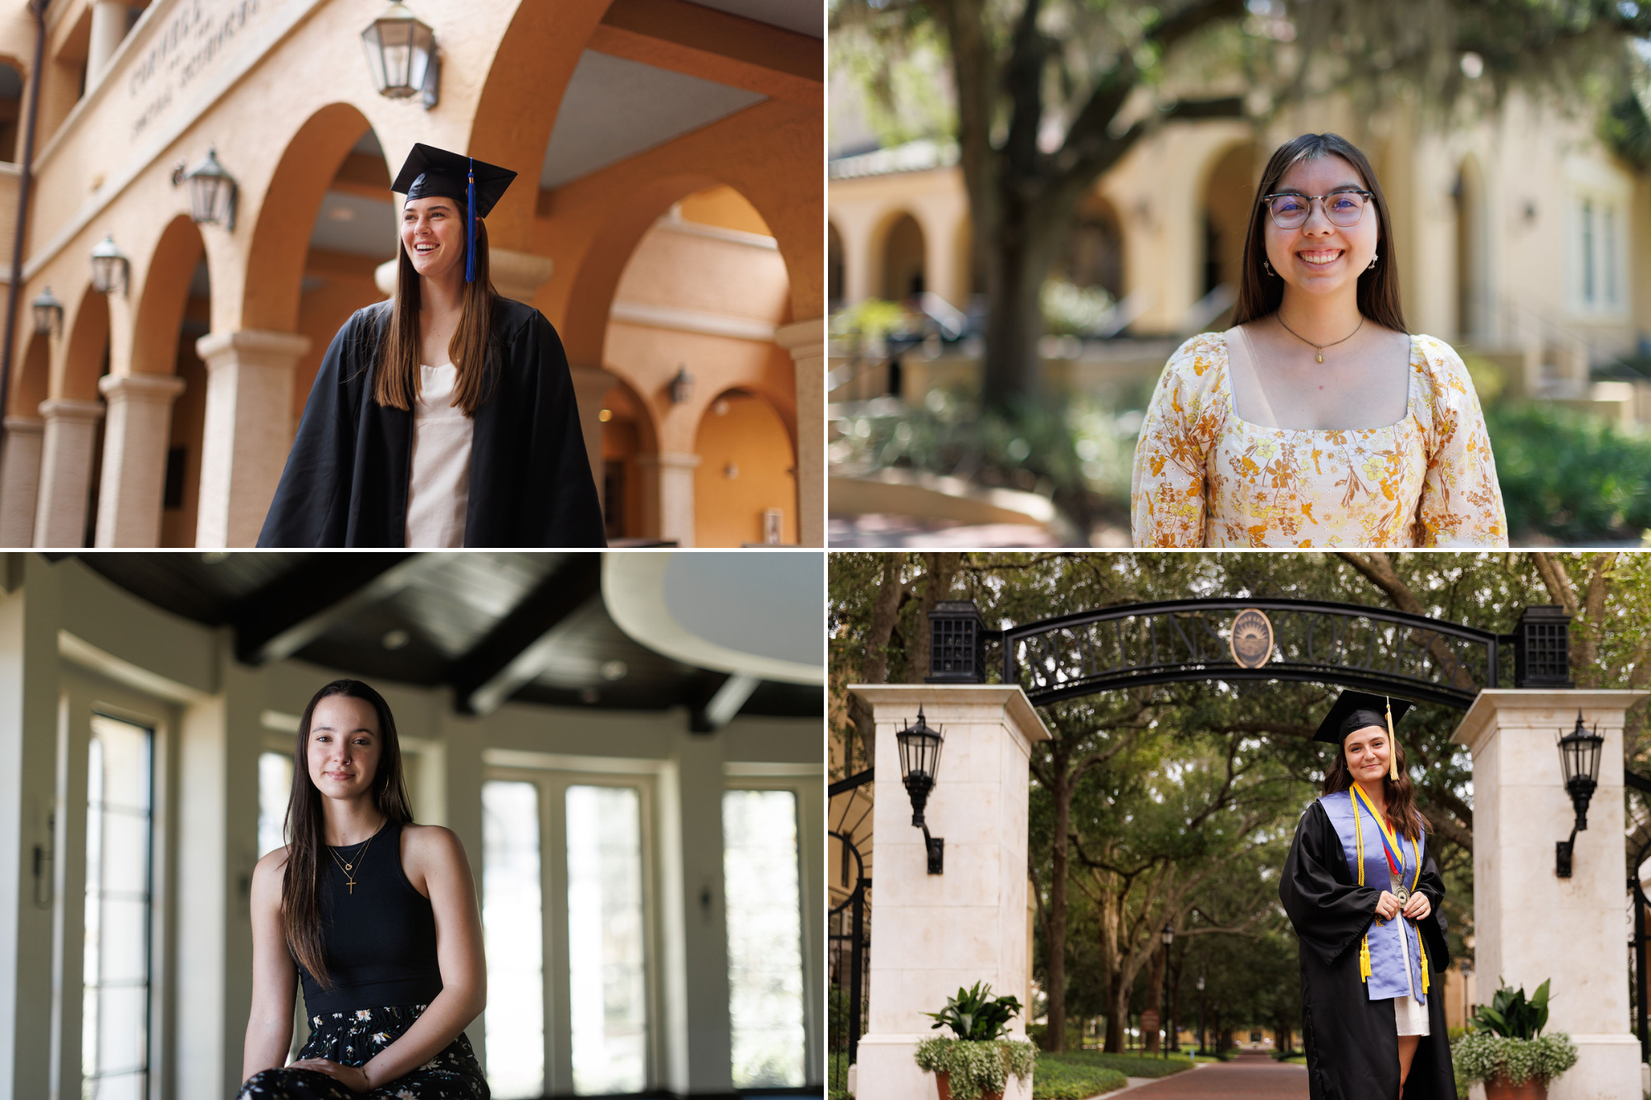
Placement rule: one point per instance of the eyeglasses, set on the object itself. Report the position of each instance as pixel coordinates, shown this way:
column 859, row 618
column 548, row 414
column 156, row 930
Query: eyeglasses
column 1343, row 208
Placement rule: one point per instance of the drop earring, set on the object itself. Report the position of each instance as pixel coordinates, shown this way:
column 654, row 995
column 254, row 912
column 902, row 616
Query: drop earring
column 1373, row 260
column 1265, row 266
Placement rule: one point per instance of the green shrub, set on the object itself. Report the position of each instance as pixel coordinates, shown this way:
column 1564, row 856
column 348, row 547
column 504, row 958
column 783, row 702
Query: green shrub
column 1510, row 1015
column 1481, row 1056
column 1569, row 475
column 1059, row 1079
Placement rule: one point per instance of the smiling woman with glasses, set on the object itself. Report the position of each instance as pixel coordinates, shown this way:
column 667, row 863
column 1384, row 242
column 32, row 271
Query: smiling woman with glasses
column 1316, row 419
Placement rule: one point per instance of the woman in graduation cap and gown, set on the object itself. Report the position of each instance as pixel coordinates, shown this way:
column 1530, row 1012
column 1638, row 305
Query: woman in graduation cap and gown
column 446, row 415
column 1363, row 893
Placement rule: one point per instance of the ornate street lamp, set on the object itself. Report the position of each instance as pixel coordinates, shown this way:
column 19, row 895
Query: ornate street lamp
column 1168, row 936
column 48, row 314
column 1579, row 758
column 919, row 766
column 1200, row 1014
column 109, row 267
column 682, row 389
column 212, row 192
column 401, row 55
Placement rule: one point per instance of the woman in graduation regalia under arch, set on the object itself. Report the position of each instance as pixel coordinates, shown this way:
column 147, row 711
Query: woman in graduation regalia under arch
column 1363, row 893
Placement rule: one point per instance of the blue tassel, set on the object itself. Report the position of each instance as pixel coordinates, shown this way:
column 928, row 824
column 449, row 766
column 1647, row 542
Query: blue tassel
column 470, row 248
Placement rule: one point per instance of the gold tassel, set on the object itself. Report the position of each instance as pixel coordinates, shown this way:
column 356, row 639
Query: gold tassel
column 1392, row 746
column 1364, row 958
column 1423, row 947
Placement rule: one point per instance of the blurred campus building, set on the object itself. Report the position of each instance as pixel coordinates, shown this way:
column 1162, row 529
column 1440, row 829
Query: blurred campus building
column 666, row 219
column 642, row 817
column 1519, row 238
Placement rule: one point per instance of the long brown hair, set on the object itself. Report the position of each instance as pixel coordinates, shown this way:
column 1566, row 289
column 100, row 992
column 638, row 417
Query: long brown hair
column 1401, row 796
column 398, row 356
column 301, row 885
column 1260, row 293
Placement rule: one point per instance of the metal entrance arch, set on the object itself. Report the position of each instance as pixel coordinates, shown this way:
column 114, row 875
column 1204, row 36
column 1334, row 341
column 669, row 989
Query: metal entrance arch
column 1131, row 645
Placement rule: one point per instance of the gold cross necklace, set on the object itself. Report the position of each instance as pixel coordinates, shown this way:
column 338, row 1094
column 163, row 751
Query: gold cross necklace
column 349, row 879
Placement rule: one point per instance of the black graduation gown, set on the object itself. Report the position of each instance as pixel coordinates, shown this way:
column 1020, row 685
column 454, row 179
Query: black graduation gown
column 346, row 479
column 1351, row 1041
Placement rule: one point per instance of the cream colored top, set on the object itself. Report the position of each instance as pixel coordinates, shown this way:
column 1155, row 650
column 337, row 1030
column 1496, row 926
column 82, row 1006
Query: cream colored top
column 438, row 490
column 1206, row 477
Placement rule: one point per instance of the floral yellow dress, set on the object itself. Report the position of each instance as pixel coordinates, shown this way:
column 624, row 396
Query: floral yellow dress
column 1204, row 477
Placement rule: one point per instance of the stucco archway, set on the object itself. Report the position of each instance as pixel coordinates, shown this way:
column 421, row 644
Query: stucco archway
column 746, row 470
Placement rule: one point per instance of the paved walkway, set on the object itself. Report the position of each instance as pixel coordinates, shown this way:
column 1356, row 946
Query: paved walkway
column 1248, row 1077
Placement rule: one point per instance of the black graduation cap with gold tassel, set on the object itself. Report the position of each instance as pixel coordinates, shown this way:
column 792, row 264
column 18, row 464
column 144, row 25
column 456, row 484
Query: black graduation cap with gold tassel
column 1357, row 710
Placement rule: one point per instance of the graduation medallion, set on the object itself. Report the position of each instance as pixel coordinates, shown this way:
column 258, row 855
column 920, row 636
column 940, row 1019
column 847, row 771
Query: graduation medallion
column 1251, row 639
column 1403, row 894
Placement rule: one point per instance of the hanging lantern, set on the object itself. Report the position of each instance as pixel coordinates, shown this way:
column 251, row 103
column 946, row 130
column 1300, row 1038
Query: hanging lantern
column 48, row 313
column 109, row 267
column 401, row 55
column 682, row 386
column 212, row 192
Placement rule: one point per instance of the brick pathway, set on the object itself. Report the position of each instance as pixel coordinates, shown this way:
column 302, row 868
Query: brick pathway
column 1249, row 1077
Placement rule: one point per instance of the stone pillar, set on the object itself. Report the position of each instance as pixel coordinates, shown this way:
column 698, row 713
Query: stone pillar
column 805, row 340
column 134, row 457
column 108, row 29
column 590, row 386
column 65, row 471
column 248, row 430
column 674, row 475
column 934, row 933
column 1529, row 924
column 19, row 480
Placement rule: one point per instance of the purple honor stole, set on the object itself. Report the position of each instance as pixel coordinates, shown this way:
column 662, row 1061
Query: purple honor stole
column 1388, row 947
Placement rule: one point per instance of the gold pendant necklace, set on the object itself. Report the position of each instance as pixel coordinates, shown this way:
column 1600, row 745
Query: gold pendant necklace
column 349, row 879
column 1320, row 347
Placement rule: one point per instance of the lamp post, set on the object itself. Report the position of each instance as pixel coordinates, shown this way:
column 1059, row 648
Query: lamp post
column 1200, row 1013
column 48, row 313
column 1579, row 759
column 1168, row 936
column 401, row 55
column 212, row 192
column 919, row 766
column 109, row 266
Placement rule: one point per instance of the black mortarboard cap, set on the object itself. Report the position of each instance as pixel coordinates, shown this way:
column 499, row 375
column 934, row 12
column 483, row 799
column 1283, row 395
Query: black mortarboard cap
column 429, row 172
column 1355, row 710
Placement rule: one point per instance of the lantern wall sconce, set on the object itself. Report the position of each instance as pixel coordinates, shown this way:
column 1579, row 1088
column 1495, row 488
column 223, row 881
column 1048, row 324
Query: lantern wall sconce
column 1579, row 759
column 110, row 267
column 919, row 766
column 48, row 314
column 401, row 55
column 682, row 386
column 212, row 192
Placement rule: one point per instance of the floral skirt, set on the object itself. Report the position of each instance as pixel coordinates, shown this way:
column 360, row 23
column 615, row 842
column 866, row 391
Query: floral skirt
column 353, row 1038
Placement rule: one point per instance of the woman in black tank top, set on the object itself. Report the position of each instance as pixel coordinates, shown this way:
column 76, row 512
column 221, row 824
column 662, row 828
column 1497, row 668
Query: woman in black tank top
column 376, row 915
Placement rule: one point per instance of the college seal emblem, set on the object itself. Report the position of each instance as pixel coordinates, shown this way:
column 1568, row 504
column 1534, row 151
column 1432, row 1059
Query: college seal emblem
column 1251, row 639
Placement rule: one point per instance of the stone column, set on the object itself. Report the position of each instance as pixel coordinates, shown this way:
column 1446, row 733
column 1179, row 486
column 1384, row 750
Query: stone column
column 674, row 475
column 248, row 430
column 108, row 29
column 805, row 340
column 65, row 471
column 134, row 457
column 1529, row 924
column 19, row 479
column 934, row 933
column 590, row 386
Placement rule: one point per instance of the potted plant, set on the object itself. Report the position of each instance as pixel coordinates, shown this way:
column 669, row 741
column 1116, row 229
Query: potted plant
column 1506, row 1049
column 978, row 1061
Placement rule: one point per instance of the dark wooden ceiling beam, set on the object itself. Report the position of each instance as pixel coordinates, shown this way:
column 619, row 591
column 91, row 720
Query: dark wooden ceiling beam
column 291, row 612
column 520, row 647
